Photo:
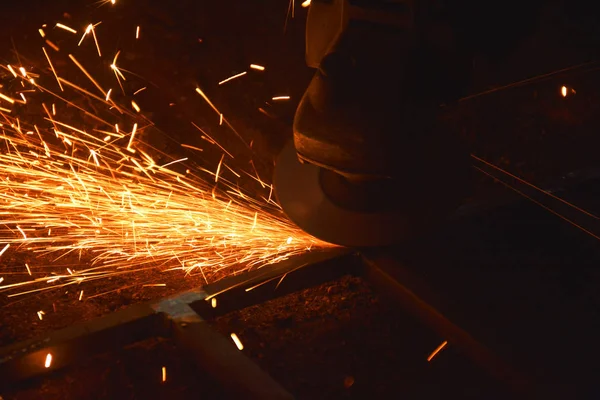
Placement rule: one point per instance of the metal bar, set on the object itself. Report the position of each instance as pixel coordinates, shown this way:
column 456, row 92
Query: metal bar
column 24, row 360
column 27, row 359
column 391, row 278
column 217, row 356
column 286, row 277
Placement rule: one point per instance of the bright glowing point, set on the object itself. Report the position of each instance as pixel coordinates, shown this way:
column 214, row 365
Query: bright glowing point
column 48, row 361
column 237, row 341
column 257, row 67
column 276, row 98
column 306, row 3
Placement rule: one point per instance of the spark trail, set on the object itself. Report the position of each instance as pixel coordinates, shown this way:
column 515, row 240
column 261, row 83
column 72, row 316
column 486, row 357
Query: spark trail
column 89, row 185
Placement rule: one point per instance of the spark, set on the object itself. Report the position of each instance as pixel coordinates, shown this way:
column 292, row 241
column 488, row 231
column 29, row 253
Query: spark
column 28, row 270
column 87, row 74
column 237, row 341
column 437, row 350
column 135, row 106
column 42, row 33
column 164, row 374
column 257, row 67
column 155, row 285
column 213, row 302
column 6, row 98
column 70, row 187
column 276, row 98
column 131, row 138
column 41, row 314
column 563, row 91
column 233, row 77
column 48, row 361
column 306, row 3
column 52, row 45
column 139, row 90
column 137, row 32
column 53, row 70
column 66, row 28
column 12, row 71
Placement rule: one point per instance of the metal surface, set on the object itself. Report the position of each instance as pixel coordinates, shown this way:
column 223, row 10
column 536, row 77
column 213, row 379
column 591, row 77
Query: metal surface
column 176, row 317
column 392, row 278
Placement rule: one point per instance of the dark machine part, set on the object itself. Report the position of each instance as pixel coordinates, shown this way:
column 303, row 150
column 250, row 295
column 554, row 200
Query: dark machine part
column 373, row 164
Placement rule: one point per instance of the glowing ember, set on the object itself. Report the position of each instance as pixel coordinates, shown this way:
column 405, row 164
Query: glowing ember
column 437, row 350
column 237, row 341
column 306, row 3
column 164, row 374
column 48, row 361
column 277, row 98
column 257, row 67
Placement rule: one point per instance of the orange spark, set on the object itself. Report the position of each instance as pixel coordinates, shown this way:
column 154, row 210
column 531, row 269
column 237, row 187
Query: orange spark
column 437, row 350
column 257, row 67
column 237, row 341
column 48, row 361
column 276, row 98
column 66, row 28
column 233, row 77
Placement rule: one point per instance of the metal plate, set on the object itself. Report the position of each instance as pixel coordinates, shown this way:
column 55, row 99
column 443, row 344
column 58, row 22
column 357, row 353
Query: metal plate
column 298, row 189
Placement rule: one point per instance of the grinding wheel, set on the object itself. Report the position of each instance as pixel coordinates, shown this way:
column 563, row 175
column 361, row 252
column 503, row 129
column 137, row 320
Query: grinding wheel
column 300, row 193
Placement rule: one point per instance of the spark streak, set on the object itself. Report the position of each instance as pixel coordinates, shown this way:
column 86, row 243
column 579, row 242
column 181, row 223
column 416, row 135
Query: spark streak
column 437, row 350
column 48, row 361
column 237, row 341
column 76, row 186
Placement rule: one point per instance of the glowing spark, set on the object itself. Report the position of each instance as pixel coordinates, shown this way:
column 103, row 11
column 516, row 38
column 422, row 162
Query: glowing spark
column 131, row 137
column 257, row 67
column 28, row 270
column 164, row 374
column 52, row 45
column 12, row 71
column 563, row 91
column 137, row 32
column 155, row 285
column 237, row 341
column 53, row 70
column 289, row 240
column 87, row 74
column 139, row 90
column 23, row 72
column 117, row 208
column 80, row 295
column 42, row 33
column 6, row 98
column 233, row 77
column 66, row 28
column 40, row 315
column 135, row 106
column 88, row 30
column 306, row 3
column 213, row 302
column 48, row 361
column 219, row 168
column 1, row 279
column 276, row 98
column 437, row 350
column 22, row 233
column 220, row 119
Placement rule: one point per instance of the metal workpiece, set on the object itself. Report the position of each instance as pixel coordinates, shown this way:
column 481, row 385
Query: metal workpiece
column 177, row 318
